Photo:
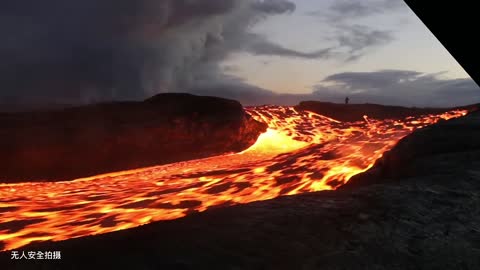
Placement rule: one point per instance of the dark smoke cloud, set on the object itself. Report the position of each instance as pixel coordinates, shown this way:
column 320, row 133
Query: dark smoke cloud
column 275, row 6
column 76, row 50
column 86, row 51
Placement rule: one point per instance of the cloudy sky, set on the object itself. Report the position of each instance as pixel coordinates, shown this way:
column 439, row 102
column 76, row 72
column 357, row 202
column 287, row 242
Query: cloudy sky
column 255, row 51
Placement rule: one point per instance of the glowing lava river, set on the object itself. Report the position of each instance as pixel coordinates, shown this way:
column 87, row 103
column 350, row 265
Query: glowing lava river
column 301, row 152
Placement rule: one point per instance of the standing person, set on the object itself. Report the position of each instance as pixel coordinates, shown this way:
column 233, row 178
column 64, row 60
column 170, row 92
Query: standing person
column 347, row 100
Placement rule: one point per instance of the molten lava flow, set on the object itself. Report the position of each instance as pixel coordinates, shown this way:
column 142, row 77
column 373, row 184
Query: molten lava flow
column 300, row 152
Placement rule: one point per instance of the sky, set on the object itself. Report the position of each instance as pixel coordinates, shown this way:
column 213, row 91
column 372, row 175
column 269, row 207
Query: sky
column 411, row 47
column 255, row 51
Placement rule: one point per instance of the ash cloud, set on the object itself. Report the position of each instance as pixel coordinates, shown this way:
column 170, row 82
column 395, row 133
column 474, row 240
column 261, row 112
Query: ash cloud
column 90, row 51
column 274, row 6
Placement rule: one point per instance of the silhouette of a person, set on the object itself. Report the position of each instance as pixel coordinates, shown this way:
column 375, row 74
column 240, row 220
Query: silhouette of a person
column 347, row 100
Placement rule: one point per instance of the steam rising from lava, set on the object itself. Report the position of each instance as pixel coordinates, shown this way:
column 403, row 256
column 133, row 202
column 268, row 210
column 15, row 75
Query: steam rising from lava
column 301, row 152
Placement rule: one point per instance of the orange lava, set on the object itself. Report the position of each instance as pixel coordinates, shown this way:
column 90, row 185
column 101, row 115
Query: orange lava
column 301, row 152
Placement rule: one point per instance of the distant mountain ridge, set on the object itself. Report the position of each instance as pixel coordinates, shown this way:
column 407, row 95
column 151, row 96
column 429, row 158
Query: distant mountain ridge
column 355, row 112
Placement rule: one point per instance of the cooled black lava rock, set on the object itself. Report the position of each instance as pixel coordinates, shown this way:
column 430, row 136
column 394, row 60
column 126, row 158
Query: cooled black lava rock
column 88, row 140
column 406, row 158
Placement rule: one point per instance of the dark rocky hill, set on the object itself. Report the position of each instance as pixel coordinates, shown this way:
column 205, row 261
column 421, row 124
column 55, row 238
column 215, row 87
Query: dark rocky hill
column 83, row 141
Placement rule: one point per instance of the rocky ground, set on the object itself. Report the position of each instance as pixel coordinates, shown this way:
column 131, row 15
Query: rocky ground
column 83, row 141
column 418, row 208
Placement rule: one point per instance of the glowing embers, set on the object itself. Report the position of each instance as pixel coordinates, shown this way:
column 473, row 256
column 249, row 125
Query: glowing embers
column 301, row 152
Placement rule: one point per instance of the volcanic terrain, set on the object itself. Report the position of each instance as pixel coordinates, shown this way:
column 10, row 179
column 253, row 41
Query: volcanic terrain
column 411, row 207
